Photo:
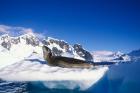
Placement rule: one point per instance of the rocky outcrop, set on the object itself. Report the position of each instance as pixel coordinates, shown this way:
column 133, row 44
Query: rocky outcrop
column 56, row 52
column 32, row 41
column 82, row 52
column 7, row 41
column 6, row 45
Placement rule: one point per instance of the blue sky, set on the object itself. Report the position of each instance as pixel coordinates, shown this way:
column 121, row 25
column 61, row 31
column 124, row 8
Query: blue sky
column 96, row 24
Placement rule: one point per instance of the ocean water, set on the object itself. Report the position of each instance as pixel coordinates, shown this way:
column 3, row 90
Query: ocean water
column 13, row 87
column 30, row 87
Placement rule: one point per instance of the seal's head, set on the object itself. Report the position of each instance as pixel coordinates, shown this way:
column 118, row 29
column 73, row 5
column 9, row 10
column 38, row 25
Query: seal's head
column 46, row 52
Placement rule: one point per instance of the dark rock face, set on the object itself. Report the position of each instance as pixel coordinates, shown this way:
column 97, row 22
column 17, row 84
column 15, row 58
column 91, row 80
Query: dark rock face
column 62, row 44
column 56, row 52
column 6, row 42
column 120, row 58
column 45, row 42
column 6, row 45
column 15, row 40
column 32, row 41
column 82, row 52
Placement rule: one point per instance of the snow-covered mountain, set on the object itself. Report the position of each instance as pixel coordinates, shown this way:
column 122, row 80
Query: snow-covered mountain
column 22, row 46
column 29, row 39
column 15, row 49
column 109, row 56
column 62, row 48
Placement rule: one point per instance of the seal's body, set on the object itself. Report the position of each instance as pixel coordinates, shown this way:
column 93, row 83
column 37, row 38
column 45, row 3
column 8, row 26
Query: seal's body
column 63, row 61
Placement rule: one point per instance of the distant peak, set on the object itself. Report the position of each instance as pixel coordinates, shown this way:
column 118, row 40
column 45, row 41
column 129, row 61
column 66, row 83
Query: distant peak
column 55, row 39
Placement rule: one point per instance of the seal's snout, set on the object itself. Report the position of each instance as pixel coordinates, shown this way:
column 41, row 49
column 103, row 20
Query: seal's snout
column 46, row 50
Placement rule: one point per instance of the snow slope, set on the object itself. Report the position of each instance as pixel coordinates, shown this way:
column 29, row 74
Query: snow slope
column 17, row 52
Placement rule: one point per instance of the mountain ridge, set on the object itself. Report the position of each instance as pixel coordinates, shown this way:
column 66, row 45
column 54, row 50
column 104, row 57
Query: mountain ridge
column 62, row 48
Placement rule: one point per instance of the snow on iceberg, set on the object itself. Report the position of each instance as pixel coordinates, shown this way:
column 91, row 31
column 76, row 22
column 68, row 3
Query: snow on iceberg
column 33, row 69
column 10, row 57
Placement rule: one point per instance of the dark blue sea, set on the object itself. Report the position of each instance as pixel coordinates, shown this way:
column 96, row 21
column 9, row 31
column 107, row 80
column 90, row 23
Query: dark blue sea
column 28, row 87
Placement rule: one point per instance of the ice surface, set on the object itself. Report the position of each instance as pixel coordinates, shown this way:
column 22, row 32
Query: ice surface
column 35, row 69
